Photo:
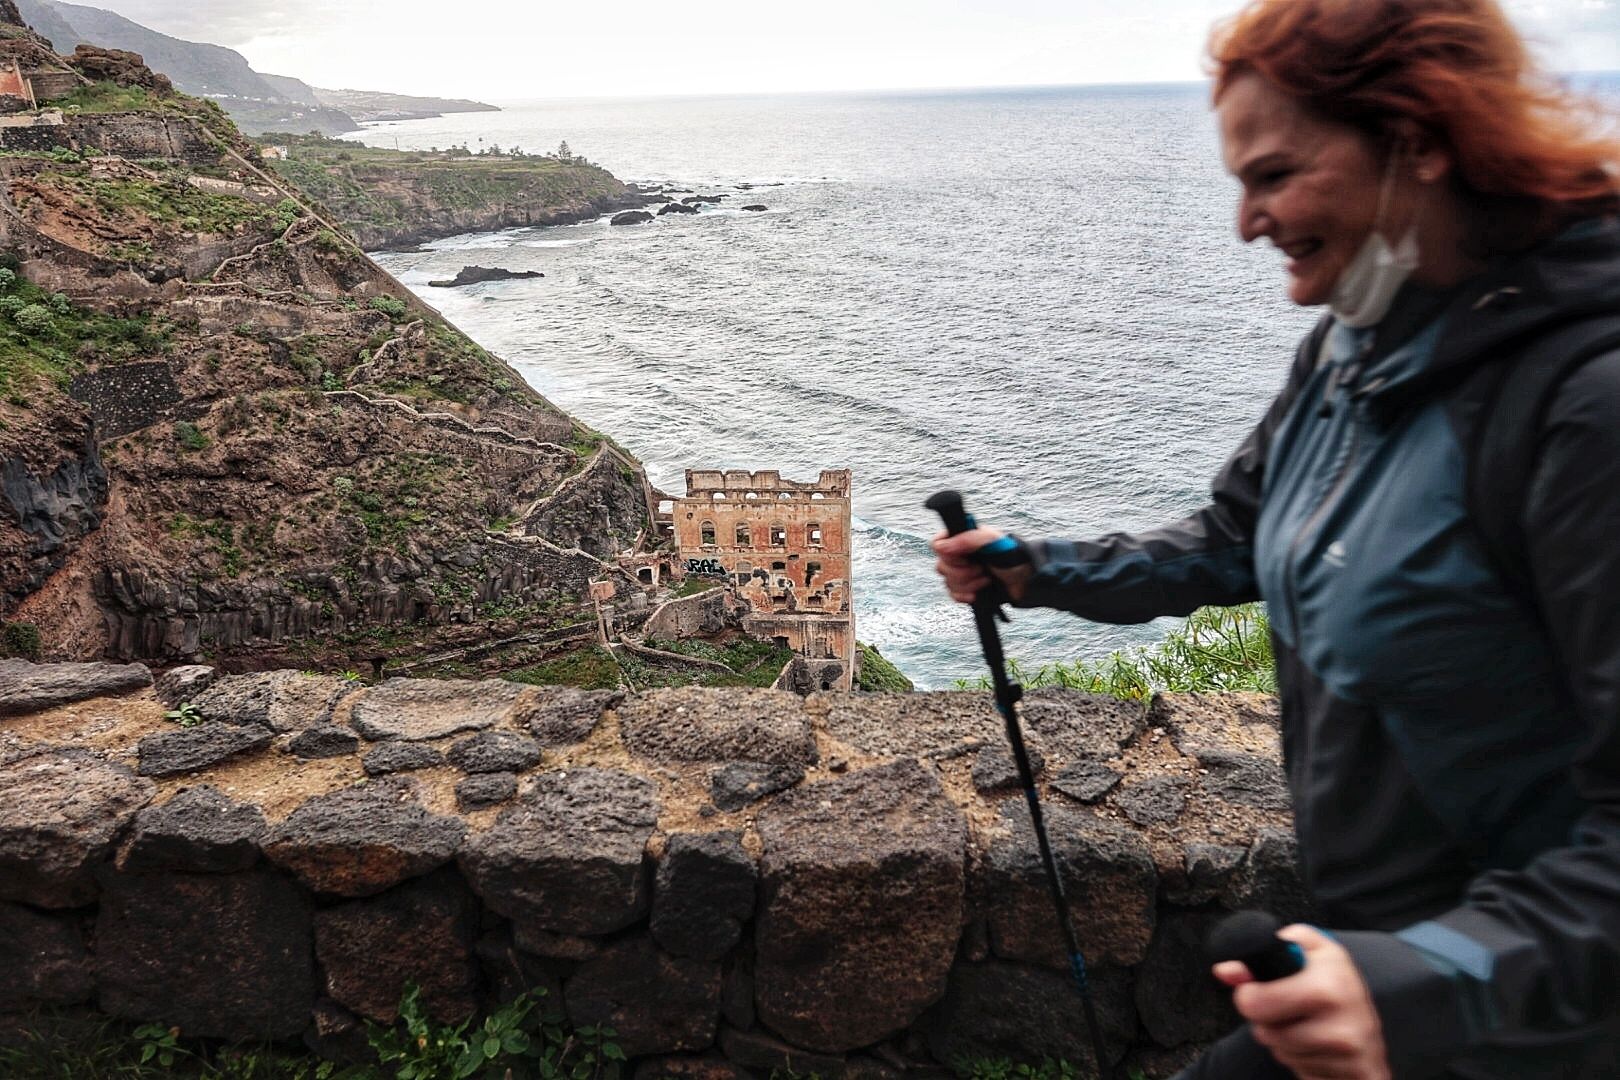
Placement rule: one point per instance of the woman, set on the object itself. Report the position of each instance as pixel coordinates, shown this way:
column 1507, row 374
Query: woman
column 1452, row 739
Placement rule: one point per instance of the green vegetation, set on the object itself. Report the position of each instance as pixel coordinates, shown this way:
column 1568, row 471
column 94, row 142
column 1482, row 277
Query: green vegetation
column 105, row 97
column 381, row 193
column 219, row 534
column 174, row 202
column 515, row 1042
column 19, row 640
column 391, row 306
column 185, row 714
column 695, row 584
column 45, row 339
column 1215, row 649
column 590, row 668
column 876, row 673
column 754, row 662
column 187, row 435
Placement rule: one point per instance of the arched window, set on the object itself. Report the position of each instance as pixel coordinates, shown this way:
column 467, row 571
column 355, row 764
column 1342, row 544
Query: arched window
column 719, row 496
column 812, row 534
column 742, row 534
column 706, row 531
column 778, row 535
column 817, row 495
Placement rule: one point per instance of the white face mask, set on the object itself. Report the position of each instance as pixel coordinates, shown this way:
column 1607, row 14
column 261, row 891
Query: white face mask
column 1367, row 286
column 1368, row 283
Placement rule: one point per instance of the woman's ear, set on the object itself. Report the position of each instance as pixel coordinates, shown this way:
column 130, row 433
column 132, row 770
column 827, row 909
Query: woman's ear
column 1422, row 156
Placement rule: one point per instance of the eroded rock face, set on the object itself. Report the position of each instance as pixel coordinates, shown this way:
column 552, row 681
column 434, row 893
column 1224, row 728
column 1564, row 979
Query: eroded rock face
column 568, row 856
column 1108, row 874
column 417, row 709
column 656, row 1003
column 27, row 688
column 691, row 724
column 421, row 932
column 59, row 818
column 44, row 958
column 200, row 830
column 703, row 895
column 362, row 840
column 218, row 955
column 862, row 905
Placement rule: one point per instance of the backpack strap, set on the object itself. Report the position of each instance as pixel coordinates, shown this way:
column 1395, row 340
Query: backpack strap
column 1507, row 437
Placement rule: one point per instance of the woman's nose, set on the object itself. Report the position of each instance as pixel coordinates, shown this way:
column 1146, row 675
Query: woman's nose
column 1253, row 221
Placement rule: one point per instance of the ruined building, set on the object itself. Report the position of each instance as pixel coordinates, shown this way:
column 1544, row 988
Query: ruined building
column 784, row 546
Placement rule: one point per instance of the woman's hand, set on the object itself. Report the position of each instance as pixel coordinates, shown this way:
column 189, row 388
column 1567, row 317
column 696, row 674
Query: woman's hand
column 964, row 576
column 1320, row 1023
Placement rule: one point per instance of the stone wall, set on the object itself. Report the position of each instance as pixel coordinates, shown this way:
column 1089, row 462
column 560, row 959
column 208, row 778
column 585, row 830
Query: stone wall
column 736, row 881
column 126, row 397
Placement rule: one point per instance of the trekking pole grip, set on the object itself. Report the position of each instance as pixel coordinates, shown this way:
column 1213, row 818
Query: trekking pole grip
column 1251, row 936
column 948, row 505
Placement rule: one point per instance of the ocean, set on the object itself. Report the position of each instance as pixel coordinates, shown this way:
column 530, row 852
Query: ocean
column 1036, row 297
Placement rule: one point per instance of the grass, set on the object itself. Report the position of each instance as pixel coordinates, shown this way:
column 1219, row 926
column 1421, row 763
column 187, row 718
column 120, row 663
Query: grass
column 517, row 1041
column 174, row 202
column 1214, row 649
column 590, row 668
column 877, row 673
column 45, row 339
column 752, row 662
column 696, row 584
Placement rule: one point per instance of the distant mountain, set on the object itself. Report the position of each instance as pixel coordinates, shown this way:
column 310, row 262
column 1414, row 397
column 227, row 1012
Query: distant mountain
column 296, row 90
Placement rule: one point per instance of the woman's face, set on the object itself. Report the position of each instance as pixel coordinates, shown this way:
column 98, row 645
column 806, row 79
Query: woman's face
column 1310, row 185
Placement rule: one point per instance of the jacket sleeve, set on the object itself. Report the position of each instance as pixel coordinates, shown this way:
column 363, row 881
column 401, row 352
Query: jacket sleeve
column 1535, row 953
column 1205, row 558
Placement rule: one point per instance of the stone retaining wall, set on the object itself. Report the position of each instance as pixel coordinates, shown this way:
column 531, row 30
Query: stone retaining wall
column 737, row 881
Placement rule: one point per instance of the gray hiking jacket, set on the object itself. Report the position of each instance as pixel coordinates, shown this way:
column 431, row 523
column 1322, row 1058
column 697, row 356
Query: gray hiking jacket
column 1452, row 743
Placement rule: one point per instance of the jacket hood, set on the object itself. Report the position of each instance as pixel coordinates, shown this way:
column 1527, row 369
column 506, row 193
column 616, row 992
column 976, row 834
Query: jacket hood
column 1574, row 275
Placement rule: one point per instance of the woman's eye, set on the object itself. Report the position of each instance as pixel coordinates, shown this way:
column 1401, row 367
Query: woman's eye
column 1274, row 176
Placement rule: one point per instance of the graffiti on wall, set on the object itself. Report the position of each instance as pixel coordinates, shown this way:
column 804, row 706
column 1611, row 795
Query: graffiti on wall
column 709, row 567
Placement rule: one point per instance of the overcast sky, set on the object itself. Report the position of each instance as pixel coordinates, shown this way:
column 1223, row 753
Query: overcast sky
column 515, row 49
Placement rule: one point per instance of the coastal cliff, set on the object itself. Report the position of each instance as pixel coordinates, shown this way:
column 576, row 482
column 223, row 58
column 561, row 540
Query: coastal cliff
column 392, row 198
column 225, row 432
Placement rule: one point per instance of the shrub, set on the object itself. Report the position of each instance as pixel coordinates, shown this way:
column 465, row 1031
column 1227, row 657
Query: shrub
column 20, row 639
column 1215, row 649
column 10, row 305
column 34, row 319
column 60, row 303
column 189, row 436
column 8, row 278
column 393, row 307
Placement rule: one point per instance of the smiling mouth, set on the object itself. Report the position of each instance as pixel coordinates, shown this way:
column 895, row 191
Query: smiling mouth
column 1299, row 252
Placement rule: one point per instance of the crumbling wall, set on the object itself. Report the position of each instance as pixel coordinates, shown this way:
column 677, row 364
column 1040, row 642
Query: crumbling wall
column 736, row 881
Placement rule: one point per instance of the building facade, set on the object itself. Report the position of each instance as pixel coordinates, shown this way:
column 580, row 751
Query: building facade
column 784, row 546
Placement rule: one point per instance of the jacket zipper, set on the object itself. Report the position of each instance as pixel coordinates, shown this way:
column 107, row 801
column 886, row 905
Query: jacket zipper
column 1312, row 523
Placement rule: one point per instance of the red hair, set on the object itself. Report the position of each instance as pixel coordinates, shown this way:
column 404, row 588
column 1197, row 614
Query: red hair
column 1456, row 68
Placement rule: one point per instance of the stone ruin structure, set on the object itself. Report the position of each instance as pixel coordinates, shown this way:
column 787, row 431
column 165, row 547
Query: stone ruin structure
column 736, row 881
column 782, row 545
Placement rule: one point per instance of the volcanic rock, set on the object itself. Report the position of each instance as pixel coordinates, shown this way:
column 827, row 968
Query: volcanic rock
column 1108, row 873
column 60, row 816
column 634, row 217
column 494, row 751
column 756, row 207
column 1156, row 800
column 278, row 700
column 473, row 275
column 485, row 789
column 217, row 955
column 27, row 688
column 568, row 856
column 200, row 830
column 676, row 208
column 561, row 715
column 1175, row 1009
column 396, row 757
column 325, row 741
column 1087, row 781
column 862, row 905
column 995, row 770
column 183, row 683
column 703, row 894
column 654, row 1002
column 419, row 709
column 44, row 958
column 1002, row 1010
column 170, row 753
column 361, row 840
column 421, row 932
column 734, row 786
column 699, row 725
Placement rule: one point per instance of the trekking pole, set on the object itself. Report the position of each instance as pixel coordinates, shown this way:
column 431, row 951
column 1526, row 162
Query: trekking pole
column 986, row 610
